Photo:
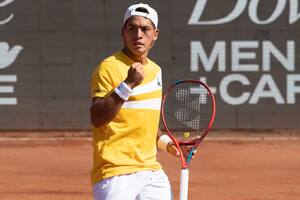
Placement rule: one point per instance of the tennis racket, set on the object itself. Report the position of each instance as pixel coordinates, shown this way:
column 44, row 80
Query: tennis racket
column 188, row 112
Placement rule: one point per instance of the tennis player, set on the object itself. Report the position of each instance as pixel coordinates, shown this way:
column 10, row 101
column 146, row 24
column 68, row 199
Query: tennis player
column 125, row 112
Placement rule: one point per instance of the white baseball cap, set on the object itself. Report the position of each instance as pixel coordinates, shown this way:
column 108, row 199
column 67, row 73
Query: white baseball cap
column 143, row 10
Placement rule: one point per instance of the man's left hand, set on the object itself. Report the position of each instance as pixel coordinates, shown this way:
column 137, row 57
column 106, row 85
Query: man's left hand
column 186, row 149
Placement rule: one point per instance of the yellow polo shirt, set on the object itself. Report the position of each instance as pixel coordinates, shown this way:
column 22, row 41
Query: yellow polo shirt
column 128, row 143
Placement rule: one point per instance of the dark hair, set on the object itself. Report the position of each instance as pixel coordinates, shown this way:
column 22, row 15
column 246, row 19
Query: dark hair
column 125, row 24
column 141, row 9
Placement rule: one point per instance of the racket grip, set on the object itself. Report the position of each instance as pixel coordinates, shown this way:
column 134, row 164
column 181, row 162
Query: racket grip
column 184, row 184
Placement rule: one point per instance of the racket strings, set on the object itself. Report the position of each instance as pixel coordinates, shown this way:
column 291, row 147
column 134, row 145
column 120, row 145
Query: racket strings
column 189, row 110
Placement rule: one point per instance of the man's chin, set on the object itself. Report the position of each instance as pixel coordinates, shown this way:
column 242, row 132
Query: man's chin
column 138, row 52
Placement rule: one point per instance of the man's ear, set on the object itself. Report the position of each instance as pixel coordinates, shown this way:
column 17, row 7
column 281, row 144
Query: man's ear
column 156, row 34
column 122, row 31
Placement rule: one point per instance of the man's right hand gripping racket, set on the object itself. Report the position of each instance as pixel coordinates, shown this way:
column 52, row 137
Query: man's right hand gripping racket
column 188, row 112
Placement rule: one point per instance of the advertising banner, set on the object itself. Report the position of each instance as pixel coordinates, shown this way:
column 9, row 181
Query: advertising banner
column 247, row 51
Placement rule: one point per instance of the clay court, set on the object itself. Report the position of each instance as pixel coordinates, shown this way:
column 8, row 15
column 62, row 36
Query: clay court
column 55, row 56
column 228, row 166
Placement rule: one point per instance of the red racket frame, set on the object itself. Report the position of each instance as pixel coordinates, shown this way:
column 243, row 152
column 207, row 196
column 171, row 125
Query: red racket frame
column 196, row 141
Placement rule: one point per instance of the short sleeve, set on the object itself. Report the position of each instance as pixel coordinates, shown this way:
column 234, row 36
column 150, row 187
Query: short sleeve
column 103, row 80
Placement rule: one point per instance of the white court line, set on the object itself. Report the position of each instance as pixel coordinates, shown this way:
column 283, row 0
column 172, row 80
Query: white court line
column 256, row 138
column 12, row 139
column 237, row 138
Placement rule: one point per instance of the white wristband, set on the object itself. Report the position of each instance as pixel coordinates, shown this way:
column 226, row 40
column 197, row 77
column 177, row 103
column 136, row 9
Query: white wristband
column 163, row 141
column 123, row 91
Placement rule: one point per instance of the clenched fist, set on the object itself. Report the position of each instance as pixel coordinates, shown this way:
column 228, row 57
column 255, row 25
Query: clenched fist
column 135, row 75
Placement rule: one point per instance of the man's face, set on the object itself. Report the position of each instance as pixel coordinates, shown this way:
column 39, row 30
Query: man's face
column 139, row 35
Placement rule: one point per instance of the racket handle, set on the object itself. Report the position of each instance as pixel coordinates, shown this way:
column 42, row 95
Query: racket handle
column 184, row 184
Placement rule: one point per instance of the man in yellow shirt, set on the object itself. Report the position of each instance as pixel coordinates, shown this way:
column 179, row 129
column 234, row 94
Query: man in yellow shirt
column 125, row 112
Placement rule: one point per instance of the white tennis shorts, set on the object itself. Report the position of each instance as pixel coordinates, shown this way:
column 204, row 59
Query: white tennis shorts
column 144, row 185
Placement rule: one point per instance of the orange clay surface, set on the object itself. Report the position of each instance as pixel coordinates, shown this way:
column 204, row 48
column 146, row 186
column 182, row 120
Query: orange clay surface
column 254, row 166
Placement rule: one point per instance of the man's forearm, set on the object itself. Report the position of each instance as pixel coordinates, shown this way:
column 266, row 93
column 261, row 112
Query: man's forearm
column 103, row 110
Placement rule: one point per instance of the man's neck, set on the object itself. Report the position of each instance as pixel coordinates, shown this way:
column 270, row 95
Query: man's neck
column 142, row 59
